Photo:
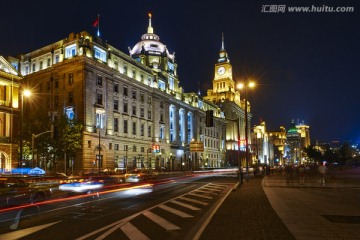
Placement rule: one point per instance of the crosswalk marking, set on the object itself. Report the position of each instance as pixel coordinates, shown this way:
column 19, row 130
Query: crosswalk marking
column 133, row 233
column 207, row 192
column 214, row 188
column 175, row 211
column 27, row 231
column 201, row 196
column 161, row 221
column 186, row 205
column 194, row 201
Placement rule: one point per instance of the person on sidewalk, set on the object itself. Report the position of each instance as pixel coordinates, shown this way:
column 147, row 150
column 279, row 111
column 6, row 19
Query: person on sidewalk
column 302, row 174
column 322, row 171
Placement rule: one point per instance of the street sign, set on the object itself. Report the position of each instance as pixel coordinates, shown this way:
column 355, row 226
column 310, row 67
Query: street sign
column 196, row 146
column 36, row 171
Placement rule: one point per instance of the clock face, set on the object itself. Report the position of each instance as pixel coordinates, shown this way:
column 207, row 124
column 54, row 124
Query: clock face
column 221, row 70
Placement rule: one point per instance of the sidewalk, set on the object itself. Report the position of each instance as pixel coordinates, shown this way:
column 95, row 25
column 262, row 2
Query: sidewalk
column 246, row 214
column 275, row 208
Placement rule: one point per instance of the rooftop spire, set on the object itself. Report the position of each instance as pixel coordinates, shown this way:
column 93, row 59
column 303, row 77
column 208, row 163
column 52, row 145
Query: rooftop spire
column 150, row 29
column 222, row 41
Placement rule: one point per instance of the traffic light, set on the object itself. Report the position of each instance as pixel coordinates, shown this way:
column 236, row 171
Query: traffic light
column 156, row 148
column 209, row 121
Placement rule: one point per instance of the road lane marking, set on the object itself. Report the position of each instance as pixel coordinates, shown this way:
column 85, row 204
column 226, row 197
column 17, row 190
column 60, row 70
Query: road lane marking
column 175, row 211
column 133, row 233
column 200, row 196
column 185, row 205
column 110, row 228
column 207, row 192
column 23, row 233
column 194, row 201
column 161, row 221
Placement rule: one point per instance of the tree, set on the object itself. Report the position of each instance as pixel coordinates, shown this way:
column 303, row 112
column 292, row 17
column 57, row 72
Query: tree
column 313, row 154
column 68, row 138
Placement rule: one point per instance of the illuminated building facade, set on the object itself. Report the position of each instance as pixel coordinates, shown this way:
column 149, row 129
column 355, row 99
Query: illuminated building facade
column 278, row 140
column 293, row 145
column 9, row 115
column 129, row 103
column 225, row 95
column 303, row 129
column 261, row 147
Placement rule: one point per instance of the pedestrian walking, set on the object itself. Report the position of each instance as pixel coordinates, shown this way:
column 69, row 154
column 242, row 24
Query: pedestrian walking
column 302, row 174
column 322, row 171
column 288, row 173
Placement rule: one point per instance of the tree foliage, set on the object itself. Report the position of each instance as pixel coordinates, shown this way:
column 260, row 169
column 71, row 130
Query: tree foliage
column 68, row 137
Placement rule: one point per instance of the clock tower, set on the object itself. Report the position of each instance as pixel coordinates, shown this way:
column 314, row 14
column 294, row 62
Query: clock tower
column 223, row 83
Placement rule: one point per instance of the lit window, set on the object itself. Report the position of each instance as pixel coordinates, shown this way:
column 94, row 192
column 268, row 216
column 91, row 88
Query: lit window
column 70, row 51
column 171, row 83
column 161, row 85
column 100, row 118
column 99, row 54
column 162, row 132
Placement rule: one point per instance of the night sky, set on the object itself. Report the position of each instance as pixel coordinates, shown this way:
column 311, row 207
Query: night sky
column 305, row 64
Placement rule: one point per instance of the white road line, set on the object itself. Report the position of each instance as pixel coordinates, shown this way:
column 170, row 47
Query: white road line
column 161, row 221
column 23, row 233
column 217, row 188
column 186, row 205
column 133, row 233
column 110, row 228
column 207, row 192
column 194, row 201
column 201, row 196
column 175, row 211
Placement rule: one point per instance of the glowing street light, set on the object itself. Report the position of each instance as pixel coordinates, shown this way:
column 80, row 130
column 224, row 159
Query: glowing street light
column 26, row 93
column 244, row 86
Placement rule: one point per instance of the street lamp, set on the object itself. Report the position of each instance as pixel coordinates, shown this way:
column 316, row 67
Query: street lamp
column 99, row 160
column 25, row 93
column 245, row 86
column 32, row 146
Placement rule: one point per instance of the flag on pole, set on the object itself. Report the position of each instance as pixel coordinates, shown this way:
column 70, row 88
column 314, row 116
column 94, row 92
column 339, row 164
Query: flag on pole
column 96, row 22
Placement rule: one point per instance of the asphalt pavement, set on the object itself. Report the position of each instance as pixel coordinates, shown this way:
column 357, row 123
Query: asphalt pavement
column 278, row 207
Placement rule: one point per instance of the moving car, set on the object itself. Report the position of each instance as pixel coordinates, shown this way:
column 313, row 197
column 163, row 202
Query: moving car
column 16, row 191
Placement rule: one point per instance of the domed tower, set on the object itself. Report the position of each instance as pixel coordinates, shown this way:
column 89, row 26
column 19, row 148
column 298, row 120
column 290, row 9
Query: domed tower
column 293, row 144
column 154, row 54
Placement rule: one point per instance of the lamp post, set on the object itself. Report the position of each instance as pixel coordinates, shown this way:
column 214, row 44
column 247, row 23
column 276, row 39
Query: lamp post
column 245, row 86
column 239, row 163
column 99, row 160
column 25, row 93
column 32, row 146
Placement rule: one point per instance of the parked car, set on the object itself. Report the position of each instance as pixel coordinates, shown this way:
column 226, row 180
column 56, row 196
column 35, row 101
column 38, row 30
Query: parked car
column 16, row 191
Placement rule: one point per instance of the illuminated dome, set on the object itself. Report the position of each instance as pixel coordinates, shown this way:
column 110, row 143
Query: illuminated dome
column 292, row 128
column 151, row 44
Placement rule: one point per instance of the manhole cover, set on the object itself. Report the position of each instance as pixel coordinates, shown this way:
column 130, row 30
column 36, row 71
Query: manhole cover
column 343, row 219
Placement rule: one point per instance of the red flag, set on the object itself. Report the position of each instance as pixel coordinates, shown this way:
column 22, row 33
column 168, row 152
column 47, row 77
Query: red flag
column 96, row 22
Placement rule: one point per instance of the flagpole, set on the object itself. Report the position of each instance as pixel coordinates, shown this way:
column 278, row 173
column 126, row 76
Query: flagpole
column 98, row 32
